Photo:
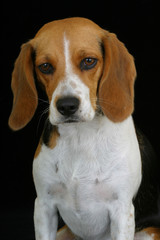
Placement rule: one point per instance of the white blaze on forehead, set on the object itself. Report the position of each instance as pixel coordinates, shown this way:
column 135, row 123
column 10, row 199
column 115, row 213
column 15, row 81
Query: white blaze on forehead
column 68, row 67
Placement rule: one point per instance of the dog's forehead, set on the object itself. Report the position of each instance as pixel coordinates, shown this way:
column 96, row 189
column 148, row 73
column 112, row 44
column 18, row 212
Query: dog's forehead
column 81, row 32
column 70, row 25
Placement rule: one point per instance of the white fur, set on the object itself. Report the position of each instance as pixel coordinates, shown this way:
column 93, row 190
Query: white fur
column 98, row 174
column 71, row 85
column 92, row 174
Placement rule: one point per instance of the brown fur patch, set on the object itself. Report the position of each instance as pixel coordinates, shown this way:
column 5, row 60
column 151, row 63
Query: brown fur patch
column 153, row 232
column 65, row 234
column 38, row 150
column 53, row 138
column 116, row 91
column 23, row 86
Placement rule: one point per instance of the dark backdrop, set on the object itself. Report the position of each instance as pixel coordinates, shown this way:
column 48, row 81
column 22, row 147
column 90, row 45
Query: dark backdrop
column 135, row 24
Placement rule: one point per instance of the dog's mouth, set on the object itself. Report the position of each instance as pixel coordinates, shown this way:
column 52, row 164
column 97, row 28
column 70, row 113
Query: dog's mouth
column 70, row 119
column 74, row 118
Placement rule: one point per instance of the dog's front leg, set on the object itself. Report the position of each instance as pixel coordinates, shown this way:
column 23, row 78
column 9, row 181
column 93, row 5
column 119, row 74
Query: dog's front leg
column 122, row 221
column 45, row 220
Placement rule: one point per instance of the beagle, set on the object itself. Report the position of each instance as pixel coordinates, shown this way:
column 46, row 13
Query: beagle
column 88, row 164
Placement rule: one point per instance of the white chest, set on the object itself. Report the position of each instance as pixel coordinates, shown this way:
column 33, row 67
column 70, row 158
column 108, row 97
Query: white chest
column 88, row 170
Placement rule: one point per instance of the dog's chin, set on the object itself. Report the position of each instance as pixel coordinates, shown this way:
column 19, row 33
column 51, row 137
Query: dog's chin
column 64, row 120
column 69, row 120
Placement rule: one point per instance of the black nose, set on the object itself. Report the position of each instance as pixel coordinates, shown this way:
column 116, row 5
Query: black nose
column 68, row 105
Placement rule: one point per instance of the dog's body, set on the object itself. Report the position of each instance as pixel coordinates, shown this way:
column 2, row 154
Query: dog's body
column 91, row 177
column 87, row 165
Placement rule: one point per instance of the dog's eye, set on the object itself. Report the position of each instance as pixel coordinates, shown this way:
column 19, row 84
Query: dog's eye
column 88, row 63
column 46, row 68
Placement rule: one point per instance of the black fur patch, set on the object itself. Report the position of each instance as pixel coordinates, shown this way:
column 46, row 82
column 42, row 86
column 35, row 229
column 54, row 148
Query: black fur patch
column 147, row 201
column 48, row 130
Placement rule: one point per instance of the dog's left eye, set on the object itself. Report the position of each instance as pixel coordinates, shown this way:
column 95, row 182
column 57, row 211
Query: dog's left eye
column 88, row 63
column 46, row 68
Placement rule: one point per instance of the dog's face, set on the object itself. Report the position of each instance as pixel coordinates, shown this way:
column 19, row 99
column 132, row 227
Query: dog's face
column 83, row 68
column 69, row 64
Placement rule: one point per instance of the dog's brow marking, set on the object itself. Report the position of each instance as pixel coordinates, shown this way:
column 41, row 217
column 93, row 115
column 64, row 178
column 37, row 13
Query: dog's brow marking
column 67, row 55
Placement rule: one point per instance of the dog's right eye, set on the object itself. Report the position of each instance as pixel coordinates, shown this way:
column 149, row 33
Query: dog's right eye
column 46, row 68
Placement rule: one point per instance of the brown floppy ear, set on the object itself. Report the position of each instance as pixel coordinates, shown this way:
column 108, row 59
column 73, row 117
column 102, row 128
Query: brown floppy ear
column 25, row 95
column 116, row 89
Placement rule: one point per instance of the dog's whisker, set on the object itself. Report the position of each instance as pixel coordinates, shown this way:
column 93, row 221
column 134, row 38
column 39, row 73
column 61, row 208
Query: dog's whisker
column 43, row 101
column 101, row 100
column 44, row 112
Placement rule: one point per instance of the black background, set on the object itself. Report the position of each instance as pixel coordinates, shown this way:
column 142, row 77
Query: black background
column 135, row 24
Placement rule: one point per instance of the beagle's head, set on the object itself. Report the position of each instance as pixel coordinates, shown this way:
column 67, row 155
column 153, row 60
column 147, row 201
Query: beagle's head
column 84, row 69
